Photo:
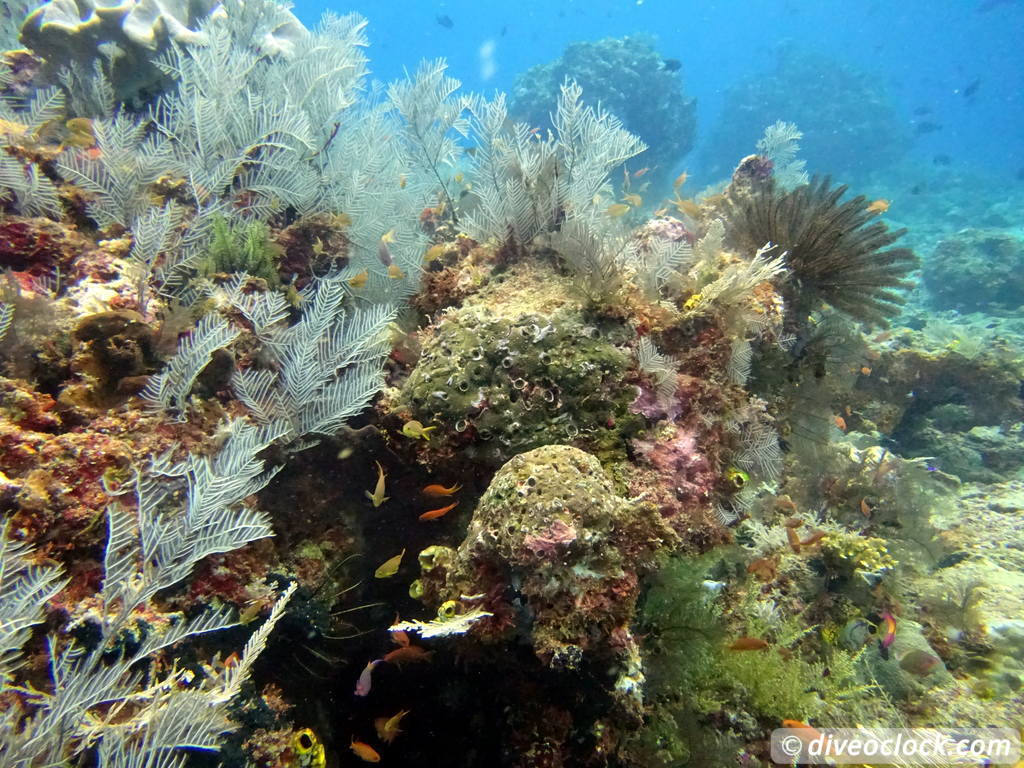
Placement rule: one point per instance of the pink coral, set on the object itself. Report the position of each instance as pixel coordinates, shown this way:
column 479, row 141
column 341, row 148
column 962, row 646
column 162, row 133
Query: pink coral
column 680, row 460
column 545, row 543
column 665, row 228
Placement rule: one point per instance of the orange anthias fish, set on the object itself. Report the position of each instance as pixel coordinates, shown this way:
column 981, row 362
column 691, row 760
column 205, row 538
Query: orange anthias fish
column 794, row 540
column 364, row 751
column 680, row 180
column 387, row 727
column 640, row 173
column 813, row 539
column 407, row 654
column 439, row 490
column 764, row 569
column 434, row 514
column 748, row 644
column 878, row 206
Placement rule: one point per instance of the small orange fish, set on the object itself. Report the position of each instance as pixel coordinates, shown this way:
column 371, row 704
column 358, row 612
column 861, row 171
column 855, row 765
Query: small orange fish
column 399, row 636
column 616, row 209
column 864, row 508
column 407, row 654
column 387, row 727
column 640, row 173
column 793, row 539
column 748, row 644
column 232, row 661
column 840, row 422
column 395, row 272
column 364, row 751
column 813, row 539
column 878, row 206
column 439, row 490
column 635, row 200
column 359, row 280
column 883, row 336
column 805, row 733
column 680, row 180
column 865, row 370
column 764, row 569
column 784, row 502
column 434, row 514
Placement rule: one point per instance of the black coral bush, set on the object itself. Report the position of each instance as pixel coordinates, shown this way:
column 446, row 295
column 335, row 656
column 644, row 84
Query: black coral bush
column 835, row 251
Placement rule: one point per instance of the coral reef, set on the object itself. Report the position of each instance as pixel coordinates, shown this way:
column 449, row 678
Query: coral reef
column 849, row 121
column 399, row 396
column 628, row 77
column 976, row 270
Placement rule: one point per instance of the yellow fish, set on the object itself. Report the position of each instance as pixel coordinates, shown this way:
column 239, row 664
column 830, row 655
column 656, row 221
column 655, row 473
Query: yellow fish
column 80, row 132
column 402, row 181
column 434, row 252
column 387, row 727
column 416, row 430
column 878, row 206
column 680, row 180
column 458, row 177
column 395, row 272
column 616, row 209
column 687, row 208
column 389, row 567
column 359, row 280
column 318, row 247
column 389, row 236
column 635, row 200
column 378, row 497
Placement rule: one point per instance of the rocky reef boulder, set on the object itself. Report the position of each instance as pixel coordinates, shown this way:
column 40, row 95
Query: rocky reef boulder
column 556, row 555
column 976, row 270
column 520, row 367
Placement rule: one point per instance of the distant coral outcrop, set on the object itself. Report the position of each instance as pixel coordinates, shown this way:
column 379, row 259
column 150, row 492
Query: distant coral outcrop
column 631, row 80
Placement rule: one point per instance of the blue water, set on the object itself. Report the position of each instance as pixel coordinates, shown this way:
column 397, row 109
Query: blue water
column 922, row 53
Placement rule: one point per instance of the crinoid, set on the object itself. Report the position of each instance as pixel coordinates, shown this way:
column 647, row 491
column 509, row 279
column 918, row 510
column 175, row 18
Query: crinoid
column 834, row 251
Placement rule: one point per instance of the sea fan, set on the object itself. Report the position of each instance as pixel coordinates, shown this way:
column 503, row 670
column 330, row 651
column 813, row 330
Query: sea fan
column 832, row 251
